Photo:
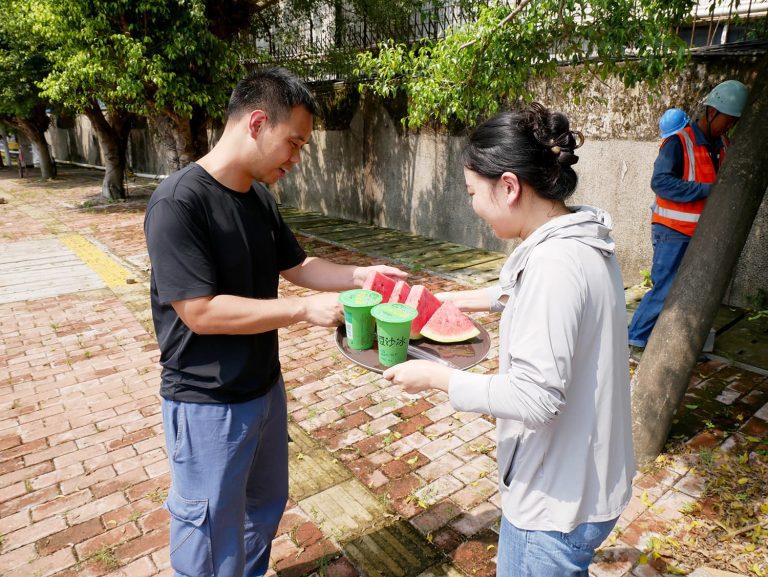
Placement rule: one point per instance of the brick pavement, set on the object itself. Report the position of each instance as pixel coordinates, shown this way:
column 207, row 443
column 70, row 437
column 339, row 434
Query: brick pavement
column 382, row 483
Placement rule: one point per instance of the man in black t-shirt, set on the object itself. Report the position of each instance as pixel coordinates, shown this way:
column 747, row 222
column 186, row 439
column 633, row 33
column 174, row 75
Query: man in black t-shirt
column 218, row 246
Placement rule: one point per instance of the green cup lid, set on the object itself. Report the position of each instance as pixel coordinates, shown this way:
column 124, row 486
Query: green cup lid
column 394, row 313
column 360, row 298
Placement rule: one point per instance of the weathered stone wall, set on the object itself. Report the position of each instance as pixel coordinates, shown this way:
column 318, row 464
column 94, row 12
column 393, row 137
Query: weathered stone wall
column 375, row 172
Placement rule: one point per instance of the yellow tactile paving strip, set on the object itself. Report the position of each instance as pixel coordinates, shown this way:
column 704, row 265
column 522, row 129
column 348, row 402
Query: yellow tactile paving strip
column 113, row 274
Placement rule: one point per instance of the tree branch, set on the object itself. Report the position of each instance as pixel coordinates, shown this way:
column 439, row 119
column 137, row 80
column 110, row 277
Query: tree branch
column 507, row 18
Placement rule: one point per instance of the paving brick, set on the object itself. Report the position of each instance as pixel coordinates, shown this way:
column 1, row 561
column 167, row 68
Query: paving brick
column 10, row 465
column 440, row 411
column 158, row 519
column 143, row 459
column 614, row 560
column 283, row 547
column 32, row 533
column 444, row 465
column 341, row 567
column 440, row 446
column 384, row 407
column 158, row 469
column 142, row 567
column 439, row 489
column 155, row 487
column 307, row 534
column 106, row 539
column 648, row 525
column 130, row 512
column 476, row 557
column 306, row 561
column 481, row 517
column 44, row 566
column 414, row 408
column 12, row 493
column 18, row 498
column 95, row 508
column 26, row 474
column 161, row 559
column 480, row 467
column 70, row 536
column 383, row 423
column 473, row 429
column 89, row 479
column 131, row 438
column 21, row 556
column 407, row 444
column 142, row 545
column 436, row 516
column 73, row 471
column 50, row 453
column 475, row 493
column 79, row 456
column 14, row 521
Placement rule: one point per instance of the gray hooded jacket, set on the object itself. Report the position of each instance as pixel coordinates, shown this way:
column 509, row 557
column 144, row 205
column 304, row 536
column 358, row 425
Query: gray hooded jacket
column 561, row 398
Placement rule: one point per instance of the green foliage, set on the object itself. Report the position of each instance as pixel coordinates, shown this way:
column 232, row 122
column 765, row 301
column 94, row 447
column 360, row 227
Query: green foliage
column 483, row 66
column 23, row 63
column 140, row 56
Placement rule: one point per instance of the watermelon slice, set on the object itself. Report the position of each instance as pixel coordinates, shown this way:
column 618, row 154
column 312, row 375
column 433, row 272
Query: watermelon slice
column 381, row 283
column 449, row 325
column 425, row 303
column 400, row 292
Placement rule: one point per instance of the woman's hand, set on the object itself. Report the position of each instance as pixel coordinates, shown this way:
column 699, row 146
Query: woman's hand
column 417, row 376
column 361, row 273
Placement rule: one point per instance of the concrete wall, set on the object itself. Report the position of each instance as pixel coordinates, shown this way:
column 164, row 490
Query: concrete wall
column 377, row 173
column 74, row 140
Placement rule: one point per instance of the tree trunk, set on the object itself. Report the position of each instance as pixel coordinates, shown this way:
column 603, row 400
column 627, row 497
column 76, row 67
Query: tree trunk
column 702, row 280
column 37, row 137
column 6, row 148
column 112, row 132
column 183, row 140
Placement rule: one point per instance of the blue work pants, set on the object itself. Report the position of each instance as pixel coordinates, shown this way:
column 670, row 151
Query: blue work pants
column 669, row 246
column 229, row 483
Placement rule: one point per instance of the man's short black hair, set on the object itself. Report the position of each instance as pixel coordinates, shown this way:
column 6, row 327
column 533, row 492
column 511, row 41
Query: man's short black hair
column 274, row 90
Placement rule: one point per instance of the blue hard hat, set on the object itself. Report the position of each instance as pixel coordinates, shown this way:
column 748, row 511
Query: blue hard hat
column 671, row 121
column 728, row 97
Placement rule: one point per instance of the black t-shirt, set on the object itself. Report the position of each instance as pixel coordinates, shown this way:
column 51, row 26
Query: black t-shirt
column 205, row 239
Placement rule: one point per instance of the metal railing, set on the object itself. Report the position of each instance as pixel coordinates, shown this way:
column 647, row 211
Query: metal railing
column 343, row 31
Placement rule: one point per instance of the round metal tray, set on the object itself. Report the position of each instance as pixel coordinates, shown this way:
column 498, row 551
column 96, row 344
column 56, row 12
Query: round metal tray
column 461, row 355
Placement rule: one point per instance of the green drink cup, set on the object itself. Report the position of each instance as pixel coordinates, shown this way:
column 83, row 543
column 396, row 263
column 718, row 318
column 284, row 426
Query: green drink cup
column 393, row 326
column 357, row 317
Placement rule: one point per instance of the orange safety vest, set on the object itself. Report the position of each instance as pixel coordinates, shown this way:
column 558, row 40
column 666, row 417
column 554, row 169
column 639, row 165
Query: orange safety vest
column 697, row 167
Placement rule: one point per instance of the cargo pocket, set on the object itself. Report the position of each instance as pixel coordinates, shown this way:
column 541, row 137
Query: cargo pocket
column 190, row 536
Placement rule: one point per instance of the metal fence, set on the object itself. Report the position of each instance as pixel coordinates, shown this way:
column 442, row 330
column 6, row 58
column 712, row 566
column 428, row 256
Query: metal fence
column 324, row 43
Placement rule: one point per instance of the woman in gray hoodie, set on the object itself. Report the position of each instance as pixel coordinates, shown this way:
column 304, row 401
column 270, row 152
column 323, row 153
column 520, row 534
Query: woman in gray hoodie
column 561, row 398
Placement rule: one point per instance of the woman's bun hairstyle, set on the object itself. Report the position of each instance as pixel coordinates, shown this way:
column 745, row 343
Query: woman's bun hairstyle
column 535, row 144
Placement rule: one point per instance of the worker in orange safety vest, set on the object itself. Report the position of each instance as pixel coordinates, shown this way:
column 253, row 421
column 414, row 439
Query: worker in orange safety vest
column 687, row 165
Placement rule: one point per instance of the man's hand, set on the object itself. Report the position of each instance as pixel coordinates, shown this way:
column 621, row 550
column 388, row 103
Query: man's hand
column 323, row 310
column 362, row 272
column 417, row 376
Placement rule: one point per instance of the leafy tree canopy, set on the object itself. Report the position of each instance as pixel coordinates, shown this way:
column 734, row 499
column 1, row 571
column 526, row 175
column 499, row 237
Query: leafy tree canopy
column 141, row 56
column 478, row 67
column 22, row 65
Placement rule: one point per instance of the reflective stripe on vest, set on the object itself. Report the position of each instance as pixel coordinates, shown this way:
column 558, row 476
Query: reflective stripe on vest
column 689, row 157
column 676, row 214
column 697, row 167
